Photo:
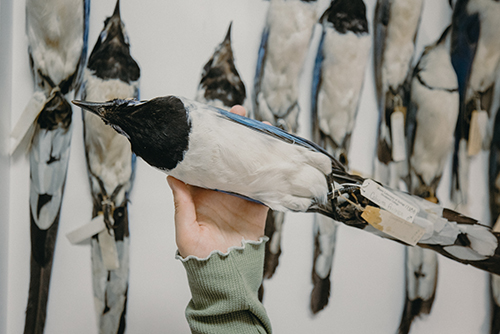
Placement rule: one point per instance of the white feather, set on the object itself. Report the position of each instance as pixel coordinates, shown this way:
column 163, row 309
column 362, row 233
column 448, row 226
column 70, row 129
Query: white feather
column 109, row 153
column 110, row 292
column 290, row 25
column 48, row 178
column 343, row 70
column 424, row 262
column 487, row 54
column 437, row 114
column 327, row 236
column 399, row 42
column 55, row 34
column 223, row 158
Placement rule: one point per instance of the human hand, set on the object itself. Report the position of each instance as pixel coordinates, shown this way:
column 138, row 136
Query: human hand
column 208, row 220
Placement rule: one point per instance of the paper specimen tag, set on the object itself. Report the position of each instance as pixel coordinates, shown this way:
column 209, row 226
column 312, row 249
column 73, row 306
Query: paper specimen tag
column 392, row 225
column 398, row 135
column 477, row 131
column 109, row 252
column 27, row 119
column 388, row 201
column 87, row 231
column 496, row 227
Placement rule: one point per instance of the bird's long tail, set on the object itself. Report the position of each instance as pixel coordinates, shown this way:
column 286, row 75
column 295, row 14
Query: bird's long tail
column 40, row 272
column 111, row 285
column 274, row 230
column 421, row 280
column 49, row 156
column 449, row 233
column 495, row 304
column 325, row 236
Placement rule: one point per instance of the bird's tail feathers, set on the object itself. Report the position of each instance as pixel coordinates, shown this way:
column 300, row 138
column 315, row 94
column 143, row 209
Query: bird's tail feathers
column 42, row 256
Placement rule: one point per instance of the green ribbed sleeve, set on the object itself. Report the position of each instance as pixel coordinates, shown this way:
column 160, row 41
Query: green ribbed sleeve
column 224, row 291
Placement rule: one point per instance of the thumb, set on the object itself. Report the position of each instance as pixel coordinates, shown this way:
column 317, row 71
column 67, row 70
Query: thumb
column 185, row 212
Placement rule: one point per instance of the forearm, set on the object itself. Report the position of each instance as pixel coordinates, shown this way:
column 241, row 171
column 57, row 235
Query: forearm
column 224, row 291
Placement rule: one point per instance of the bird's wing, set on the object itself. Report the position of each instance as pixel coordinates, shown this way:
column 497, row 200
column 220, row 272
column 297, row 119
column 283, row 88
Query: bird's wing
column 380, row 22
column 261, row 58
column 272, row 131
column 83, row 58
column 464, row 40
column 316, row 86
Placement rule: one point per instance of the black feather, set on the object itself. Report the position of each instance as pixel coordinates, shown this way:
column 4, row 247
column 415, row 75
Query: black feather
column 42, row 255
column 347, row 15
column 320, row 293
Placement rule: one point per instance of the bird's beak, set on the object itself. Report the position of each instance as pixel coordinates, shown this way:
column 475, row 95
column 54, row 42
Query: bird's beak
column 117, row 9
column 227, row 39
column 98, row 108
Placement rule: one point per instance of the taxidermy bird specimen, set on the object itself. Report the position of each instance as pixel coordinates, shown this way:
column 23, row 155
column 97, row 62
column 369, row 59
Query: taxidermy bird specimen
column 284, row 44
column 57, row 35
column 430, row 126
column 338, row 77
column 283, row 49
column 475, row 54
column 395, row 29
column 111, row 73
column 220, row 84
column 214, row 149
column 494, row 188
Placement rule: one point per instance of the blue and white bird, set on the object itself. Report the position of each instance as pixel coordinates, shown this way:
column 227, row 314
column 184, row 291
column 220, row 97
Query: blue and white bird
column 282, row 52
column 57, row 33
column 475, row 53
column 111, row 73
column 214, row 149
column 221, row 85
column 283, row 49
column 431, row 120
column 338, row 78
column 395, row 29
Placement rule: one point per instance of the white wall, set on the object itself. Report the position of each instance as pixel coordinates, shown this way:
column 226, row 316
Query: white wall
column 172, row 40
column 5, row 97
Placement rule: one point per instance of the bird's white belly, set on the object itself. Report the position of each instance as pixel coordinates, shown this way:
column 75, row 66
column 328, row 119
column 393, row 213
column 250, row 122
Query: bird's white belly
column 227, row 156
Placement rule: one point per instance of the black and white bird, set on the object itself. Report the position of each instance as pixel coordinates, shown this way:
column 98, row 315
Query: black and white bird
column 57, row 33
column 111, row 73
column 395, row 29
column 475, row 53
column 338, row 78
column 431, row 120
column 221, row 85
column 282, row 52
column 214, row 149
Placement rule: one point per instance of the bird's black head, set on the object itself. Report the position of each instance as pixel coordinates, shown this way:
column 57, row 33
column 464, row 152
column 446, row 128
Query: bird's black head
column 158, row 129
column 110, row 58
column 347, row 15
column 220, row 79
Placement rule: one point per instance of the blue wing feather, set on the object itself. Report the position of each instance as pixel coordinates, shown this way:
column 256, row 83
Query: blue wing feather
column 272, row 131
column 316, row 80
column 260, row 59
column 465, row 35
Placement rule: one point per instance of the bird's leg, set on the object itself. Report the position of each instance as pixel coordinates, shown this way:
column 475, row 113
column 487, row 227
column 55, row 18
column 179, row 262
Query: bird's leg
column 108, row 206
